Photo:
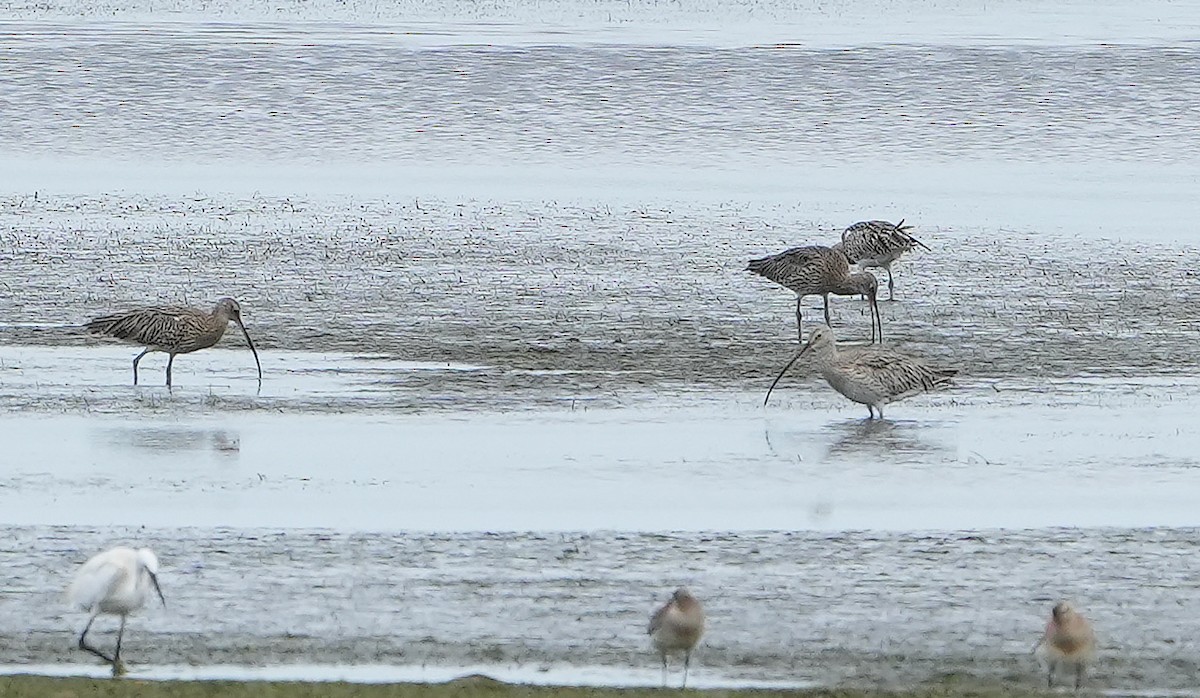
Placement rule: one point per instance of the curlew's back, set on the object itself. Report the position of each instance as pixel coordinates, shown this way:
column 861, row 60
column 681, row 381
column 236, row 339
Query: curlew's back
column 170, row 329
column 806, row 270
column 884, row 375
column 877, row 242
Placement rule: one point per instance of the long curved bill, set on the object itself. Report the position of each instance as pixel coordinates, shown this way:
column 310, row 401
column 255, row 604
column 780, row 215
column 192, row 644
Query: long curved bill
column 785, row 368
column 154, row 581
column 252, row 351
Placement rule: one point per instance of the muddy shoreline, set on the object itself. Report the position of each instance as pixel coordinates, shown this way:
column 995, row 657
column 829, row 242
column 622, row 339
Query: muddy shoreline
column 802, row 607
column 596, row 298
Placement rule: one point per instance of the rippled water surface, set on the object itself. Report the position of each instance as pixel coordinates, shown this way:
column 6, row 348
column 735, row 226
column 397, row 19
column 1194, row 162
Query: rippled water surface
column 847, row 607
column 493, row 259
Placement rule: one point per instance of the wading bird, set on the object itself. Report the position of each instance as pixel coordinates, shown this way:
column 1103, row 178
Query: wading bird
column 677, row 627
column 173, row 330
column 115, row 582
column 871, row 376
column 877, row 244
column 813, row 270
column 1068, row 640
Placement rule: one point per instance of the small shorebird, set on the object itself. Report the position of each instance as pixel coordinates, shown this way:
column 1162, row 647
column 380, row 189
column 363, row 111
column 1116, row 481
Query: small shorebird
column 871, row 376
column 115, row 582
column 173, row 330
column 677, row 627
column 815, row 269
column 1068, row 640
column 878, row 244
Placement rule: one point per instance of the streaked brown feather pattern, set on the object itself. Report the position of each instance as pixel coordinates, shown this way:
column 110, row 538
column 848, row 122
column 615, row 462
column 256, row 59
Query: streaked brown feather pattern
column 171, row 329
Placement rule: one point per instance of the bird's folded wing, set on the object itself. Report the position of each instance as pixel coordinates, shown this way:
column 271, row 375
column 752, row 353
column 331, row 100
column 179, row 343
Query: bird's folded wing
column 656, row 620
column 94, row 582
column 898, row 374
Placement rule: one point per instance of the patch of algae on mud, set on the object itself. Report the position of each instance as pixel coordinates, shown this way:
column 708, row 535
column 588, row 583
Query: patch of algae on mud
column 467, row 687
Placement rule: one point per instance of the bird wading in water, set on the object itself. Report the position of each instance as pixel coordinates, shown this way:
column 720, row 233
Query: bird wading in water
column 1069, row 641
column 878, row 244
column 173, row 330
column 115, row 582
column 818, row 270
column 872, row 375
column 677, row 627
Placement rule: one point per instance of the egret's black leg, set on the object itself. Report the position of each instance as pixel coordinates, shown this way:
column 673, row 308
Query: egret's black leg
column 83, row 645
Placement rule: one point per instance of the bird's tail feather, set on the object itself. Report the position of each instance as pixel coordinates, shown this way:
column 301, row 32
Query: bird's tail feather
column 758, row 266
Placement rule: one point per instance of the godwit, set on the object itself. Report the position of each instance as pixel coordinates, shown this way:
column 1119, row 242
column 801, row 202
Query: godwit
column 115, row 582
column 1069, row 640
column 677, row 627
column 173, row 330
column 871, row 376
column 877, row 244
column 818, row 270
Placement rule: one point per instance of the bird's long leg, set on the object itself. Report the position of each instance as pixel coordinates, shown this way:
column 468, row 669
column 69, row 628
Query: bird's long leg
column 136, row 359
column 1078, row 675
column 891, row 284
column 83, row 645
column 120, row 634
column 799, row 326
column 169, row 362
column 664, row 660
column 687, row 660
column 876, row 320
column 871, row 411
column 1050, row 676
column 117, row 667
column 827, row 310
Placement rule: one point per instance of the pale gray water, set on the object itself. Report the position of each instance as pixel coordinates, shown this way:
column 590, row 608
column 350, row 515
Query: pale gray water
column 258, row 93
column 858, row 607
column 513, row 366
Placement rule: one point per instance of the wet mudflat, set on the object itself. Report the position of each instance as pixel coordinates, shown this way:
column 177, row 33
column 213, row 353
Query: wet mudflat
column 453, row 404
column 597, row 297
column 531, row 543
column 845, row 608
column 514, row 367
column 464, row 687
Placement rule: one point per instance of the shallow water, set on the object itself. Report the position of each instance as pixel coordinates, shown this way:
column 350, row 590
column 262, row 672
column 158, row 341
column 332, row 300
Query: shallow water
column 335, row 450
column 492, row 257
column 850, row 607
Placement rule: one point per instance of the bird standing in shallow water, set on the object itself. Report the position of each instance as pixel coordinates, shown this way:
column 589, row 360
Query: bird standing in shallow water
column 115, row 582
column 877, row 244
column 819, row 270
column 173, row 330
column 1070, row 640
column 677, row 627
column 871, row 376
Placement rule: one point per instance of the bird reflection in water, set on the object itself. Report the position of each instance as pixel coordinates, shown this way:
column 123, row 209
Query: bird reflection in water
column 880, row 438
column 166, row 439
column 874, row 439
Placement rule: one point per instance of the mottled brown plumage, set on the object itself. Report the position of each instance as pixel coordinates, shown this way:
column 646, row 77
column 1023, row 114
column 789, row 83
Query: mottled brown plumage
column 815, row 269
column 871, row 376
column 173, row 330
column 878, row 244
column 677, row 627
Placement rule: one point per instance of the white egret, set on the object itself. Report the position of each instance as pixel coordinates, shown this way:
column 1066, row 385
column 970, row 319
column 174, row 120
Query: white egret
column 115, row 582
